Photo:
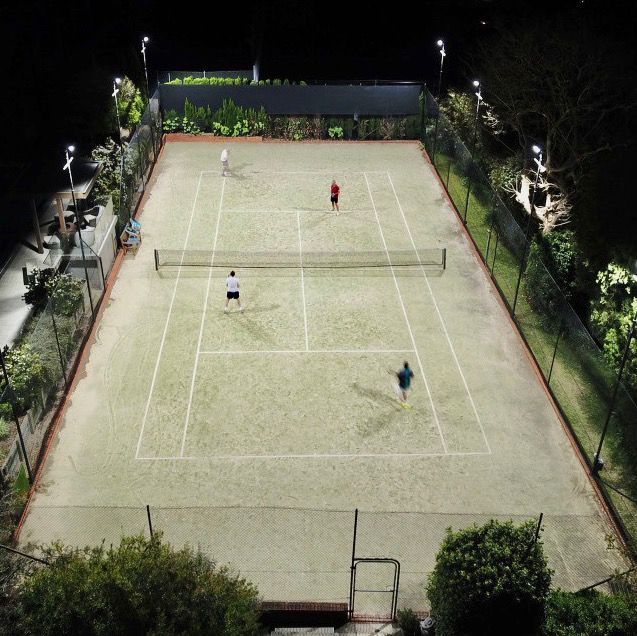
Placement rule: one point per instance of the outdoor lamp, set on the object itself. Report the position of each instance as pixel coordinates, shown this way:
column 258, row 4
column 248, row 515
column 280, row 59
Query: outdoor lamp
column 441, row 44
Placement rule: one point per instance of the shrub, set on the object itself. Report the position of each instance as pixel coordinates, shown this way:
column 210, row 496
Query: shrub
column 489, row 580
column 142, row 586
column 590, row 614
column 26, row 373
column 108, row 183
column 36, row 293
column 504, row 172
column 612, row 316
column 336, row 132
column 5, row 428
column 409, row 622
column 66, row 292
column 541, row 290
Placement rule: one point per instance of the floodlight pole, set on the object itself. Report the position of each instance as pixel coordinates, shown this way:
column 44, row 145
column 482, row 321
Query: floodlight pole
column 478, row 94
column 146, row 39
column 15, row 417
column 443, row 53
column 540, row 168
column 117, row 81
column 67, row 166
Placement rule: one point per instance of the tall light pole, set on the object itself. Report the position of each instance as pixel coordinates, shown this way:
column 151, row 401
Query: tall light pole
column 443, row 53
column 145, row 41
column 478, row 94
column 67, row 166
column 116, row 82
column 540, row 168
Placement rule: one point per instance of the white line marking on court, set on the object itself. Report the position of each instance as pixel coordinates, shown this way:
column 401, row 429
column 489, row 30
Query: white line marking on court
column 322, row 172
column 326, row 351
column 203, row 319
column 298, row 221
column 325, row 211
column 315, row 456
column 170, row 309
column 442, row 321
column 402, row 304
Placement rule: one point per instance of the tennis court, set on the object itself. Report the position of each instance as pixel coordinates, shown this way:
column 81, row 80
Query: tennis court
column 216, row 418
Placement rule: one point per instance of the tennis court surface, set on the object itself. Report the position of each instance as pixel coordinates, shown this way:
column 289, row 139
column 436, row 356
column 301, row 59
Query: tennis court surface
column 254, row 435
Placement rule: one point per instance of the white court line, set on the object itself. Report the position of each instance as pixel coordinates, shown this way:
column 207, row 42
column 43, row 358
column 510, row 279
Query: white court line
column 298, row 220
column 442, row 321
column 347, row 351
column 402, row 304
column 163, row 338
column 315, row 456
column 203, row 319
column 290, row 211
column 322, row 172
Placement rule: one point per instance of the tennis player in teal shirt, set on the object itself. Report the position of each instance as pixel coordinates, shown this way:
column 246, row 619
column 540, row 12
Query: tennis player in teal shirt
column 404, row 384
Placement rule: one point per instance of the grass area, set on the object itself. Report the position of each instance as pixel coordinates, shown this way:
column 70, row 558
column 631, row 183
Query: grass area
column 580, row 379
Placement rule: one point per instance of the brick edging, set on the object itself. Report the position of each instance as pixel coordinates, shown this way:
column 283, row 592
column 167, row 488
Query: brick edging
column 601, row 499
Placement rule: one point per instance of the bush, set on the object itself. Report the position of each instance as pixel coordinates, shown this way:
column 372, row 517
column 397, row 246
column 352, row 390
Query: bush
column 36, row 293
column 335, row 132
column 612, row 317
column 66, row 292
column 142, row 586
column 541, row 290
column 590, row 614
column 108, row 183
column 489, row 580
column 26, row 373
column 409, row 622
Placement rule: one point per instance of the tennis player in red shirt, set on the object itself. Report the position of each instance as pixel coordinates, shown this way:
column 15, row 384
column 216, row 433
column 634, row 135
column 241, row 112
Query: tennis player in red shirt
column 334, row 192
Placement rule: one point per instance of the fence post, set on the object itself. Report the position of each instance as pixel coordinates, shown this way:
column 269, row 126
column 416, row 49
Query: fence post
column 557, row 342
column 150, row 522
column 422, row 112
column 57, row 341
column 351, row 575
column 597, row 463
column 486, row 254
column 495, row 251
column 435, row 144
column 448, row 173
column 466, row 203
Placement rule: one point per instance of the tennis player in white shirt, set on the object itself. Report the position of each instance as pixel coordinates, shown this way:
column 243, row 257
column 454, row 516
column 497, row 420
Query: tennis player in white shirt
column 232, row 293
column 225, row 162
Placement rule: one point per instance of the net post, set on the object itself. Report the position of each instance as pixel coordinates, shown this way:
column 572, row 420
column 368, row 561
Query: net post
column 352, row 567
column 156, row 260
column 150, row 521
column 444, row 258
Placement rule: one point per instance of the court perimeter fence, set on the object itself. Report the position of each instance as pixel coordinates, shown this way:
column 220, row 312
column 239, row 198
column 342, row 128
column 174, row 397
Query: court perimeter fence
column 54, row 336
column 572, row 364
column 295, row 554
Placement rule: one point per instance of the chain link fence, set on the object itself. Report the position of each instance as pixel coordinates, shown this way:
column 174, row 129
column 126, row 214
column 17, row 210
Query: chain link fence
column 570, row 360
column 53, row 334
column 305, row 555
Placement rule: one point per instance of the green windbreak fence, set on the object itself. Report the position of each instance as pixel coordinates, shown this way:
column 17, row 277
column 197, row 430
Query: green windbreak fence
column 580, row 379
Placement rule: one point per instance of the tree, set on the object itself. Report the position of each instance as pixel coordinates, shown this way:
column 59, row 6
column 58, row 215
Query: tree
column 612, row 317
column 562, row 85
column 489, row 580
column 142, row 586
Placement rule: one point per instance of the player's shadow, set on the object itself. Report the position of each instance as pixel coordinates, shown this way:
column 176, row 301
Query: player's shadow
column 260, row 309
column 254, row 329
column 381, row 398
column 235, row 171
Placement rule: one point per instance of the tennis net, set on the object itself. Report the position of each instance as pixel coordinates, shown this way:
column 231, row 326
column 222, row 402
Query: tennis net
column 430, row 258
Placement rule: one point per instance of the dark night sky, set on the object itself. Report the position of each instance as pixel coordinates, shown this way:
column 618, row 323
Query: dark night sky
column 59, row 57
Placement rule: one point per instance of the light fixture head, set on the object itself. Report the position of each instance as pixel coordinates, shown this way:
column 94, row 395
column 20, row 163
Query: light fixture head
column 476, row 83
column 537, row 150
column 440, row 43
column 118, row 80
column 70, row 148
column 146, row 39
